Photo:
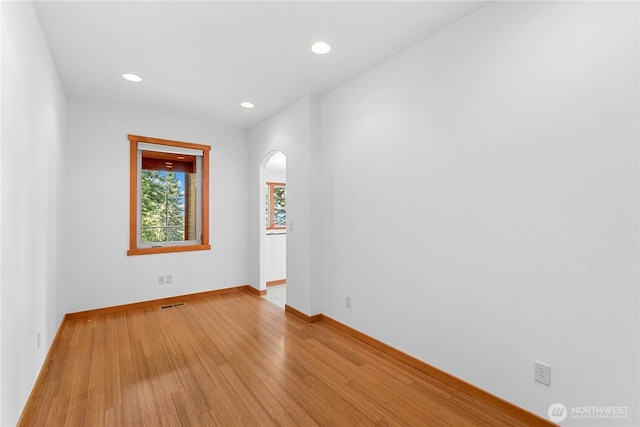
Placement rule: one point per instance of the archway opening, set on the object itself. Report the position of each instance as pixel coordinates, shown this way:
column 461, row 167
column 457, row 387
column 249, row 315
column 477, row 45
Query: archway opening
column 273, row 251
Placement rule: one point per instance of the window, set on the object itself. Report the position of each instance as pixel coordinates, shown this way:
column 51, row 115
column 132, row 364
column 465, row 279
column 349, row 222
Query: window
column 276, row 205
column 169, row 196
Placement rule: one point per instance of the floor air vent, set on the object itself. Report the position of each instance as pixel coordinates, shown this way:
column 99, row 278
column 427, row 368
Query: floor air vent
column 178, row 304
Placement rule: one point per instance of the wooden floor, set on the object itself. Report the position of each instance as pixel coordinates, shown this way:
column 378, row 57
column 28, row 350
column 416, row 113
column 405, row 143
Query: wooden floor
column 229, row 360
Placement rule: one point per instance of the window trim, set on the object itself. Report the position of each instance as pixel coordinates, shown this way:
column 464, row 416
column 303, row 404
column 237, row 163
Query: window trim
column 133, row 197
column 271, row 225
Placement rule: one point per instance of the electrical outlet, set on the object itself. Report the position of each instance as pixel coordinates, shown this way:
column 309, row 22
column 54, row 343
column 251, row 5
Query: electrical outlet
column 347, row 301
column 38, row 340
column 168, row 279
column 542, row 373
column 160, row 280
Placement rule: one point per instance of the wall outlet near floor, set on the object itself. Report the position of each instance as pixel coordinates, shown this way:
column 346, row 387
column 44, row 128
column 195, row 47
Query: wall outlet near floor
column 168, row 279
column 347, row 301
column 161, row 280
column 38, row 340
column 543, row 373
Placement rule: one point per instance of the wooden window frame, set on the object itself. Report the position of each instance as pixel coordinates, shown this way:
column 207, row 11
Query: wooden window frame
column 271, row 225
column 133, row 197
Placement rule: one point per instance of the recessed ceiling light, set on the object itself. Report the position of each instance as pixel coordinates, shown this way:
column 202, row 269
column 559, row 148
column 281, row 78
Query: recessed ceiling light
column 320, row 48
column 247, row 105
column 132, row 77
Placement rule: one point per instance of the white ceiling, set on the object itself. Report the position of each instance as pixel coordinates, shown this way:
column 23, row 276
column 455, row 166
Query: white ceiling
column 200, row 59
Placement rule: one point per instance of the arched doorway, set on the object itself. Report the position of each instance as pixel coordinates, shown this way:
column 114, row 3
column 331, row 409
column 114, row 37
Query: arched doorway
column 273, row 239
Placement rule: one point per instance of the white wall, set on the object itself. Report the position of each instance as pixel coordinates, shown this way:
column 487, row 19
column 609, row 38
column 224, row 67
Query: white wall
column 97, row 209
column 482, row 205
column 1, row 102
column 290, row 133
column 276, row 256
column 275, row 175
column 33, row 133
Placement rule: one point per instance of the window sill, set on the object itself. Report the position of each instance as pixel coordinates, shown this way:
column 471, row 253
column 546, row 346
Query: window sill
column 168, row 249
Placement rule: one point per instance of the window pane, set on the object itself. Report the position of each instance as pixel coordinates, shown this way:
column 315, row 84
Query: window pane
column 162, row 206
column 279, row 206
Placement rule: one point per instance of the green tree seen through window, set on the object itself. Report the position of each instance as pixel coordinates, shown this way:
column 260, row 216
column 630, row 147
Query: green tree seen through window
column 276, row 205
column 162, row 210
column 279, row 206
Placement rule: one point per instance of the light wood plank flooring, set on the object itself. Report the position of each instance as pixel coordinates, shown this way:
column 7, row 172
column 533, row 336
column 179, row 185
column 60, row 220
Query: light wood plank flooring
column 234, row 359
